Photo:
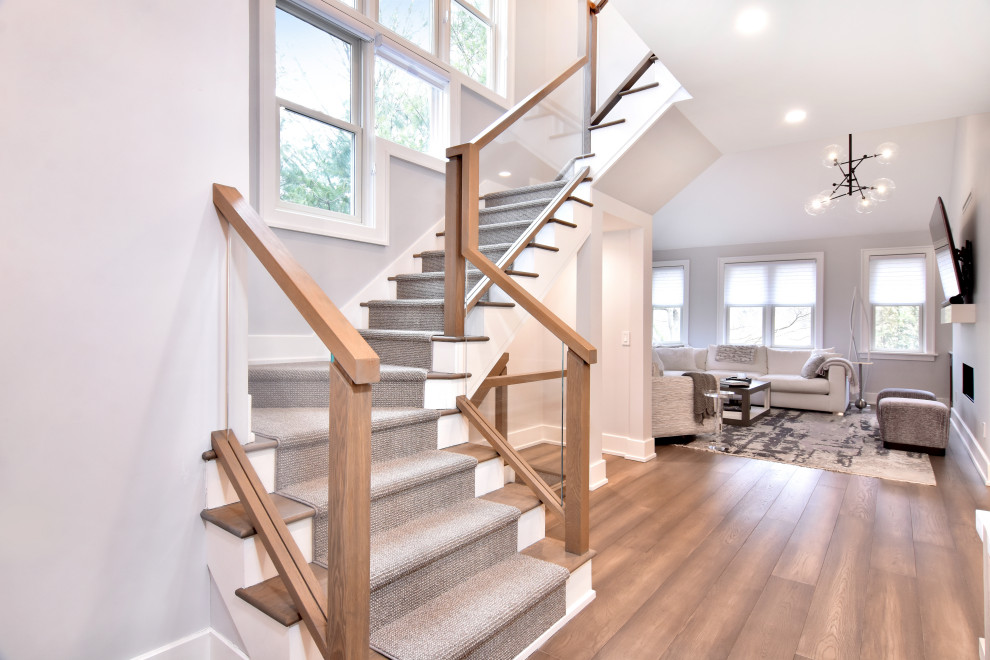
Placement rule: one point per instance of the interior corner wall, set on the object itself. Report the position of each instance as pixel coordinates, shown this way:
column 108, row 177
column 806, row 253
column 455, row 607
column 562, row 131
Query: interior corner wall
column 549, row 36
column 118, row 117
column 968, row 208
column 842, row 275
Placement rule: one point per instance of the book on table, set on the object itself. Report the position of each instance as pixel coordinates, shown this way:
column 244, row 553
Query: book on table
column 735, row 381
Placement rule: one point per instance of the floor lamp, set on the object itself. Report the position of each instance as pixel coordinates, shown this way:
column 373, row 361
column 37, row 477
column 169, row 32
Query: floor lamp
column 860, row 402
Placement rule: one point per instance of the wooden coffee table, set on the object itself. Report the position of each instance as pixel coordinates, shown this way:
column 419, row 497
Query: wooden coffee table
column 746, row 416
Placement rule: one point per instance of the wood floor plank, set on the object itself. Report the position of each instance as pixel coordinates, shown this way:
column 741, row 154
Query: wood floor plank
column 719, row 618
column 892, row 623
column 893, row 545
column 791, row 503
column 929, row 521
column 774, row 626
column 679, row 527
column 950, row 623
column 860, row 500
column 670, row 607
column 804, row 555
column 834, row 625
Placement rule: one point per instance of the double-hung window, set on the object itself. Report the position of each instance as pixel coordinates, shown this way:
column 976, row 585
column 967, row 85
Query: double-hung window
column 472, row 39
column 773, row 301
column 318, row 123
column 898, row 313
column 409, row 108
column 670, row 286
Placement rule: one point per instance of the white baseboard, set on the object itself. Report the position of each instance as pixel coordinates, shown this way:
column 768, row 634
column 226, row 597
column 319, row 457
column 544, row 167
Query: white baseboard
column 207, row 644
column 633, row 449
column 968, row 440
column 597, row 477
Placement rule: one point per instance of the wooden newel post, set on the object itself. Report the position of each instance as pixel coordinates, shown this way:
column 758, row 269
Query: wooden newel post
column 453, row 260
column 349, row 518
column 577, row 454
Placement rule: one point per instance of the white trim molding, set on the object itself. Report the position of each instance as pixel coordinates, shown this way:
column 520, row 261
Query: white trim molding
column 973, row 448
column 206, row 644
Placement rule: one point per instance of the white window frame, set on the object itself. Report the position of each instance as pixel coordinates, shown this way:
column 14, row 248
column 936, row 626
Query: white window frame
column 491, row 21
column 818, row 312
column 373, row 155
column 686, row 264
column 928, row 314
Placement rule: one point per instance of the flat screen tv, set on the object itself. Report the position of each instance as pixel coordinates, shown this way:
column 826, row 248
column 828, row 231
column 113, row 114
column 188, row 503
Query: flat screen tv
column 954, row 266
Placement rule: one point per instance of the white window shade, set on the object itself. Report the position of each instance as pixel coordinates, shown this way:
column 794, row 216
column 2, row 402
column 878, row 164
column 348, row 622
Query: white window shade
column 668, row 286
column 771, row 283
column 897, row 279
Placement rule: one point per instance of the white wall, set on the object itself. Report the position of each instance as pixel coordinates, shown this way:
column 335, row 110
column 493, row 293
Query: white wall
column 971, row 175
column 117, row 118
column 842, row 274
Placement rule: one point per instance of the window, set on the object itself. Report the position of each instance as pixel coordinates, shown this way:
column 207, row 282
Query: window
column 471, row 38
column 669, row 293
column 898, row 310
column 771, row 301
column 410, row 19
column 408, row 109
column 318, row 109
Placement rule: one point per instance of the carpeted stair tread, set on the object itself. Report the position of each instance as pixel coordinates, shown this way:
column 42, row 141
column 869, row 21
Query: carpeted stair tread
column 477, row 609
column 516, row 192
column 525, row 204
column 400, row 335
column 233, row 517
column 314, row 370
column 389, row 477
column 299, row 425
column 403, row 549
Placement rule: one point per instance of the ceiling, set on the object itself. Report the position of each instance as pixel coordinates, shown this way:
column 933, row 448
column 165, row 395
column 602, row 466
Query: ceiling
column 853, row 66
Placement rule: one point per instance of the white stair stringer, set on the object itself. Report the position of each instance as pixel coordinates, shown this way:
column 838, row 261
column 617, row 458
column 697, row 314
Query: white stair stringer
column 640, row 111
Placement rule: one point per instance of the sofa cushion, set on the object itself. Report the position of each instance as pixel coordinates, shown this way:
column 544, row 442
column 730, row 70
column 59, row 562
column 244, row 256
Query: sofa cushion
column 677, row 359
column 781, row 361
column 796, row 384
column 814, row 363
column 657, row 364
column 757, row 366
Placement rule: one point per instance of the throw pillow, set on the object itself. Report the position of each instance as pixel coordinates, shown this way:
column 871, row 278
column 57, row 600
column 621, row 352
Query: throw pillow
column 657, row 364
column 677, row 359
column 814, row 363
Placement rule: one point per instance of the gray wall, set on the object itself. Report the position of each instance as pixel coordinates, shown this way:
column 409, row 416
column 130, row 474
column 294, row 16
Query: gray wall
column 842, row 274
column 971, row 175
column 117, row 118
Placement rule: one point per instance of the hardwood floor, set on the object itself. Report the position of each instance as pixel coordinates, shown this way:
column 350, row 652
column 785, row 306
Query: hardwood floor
column 704, row 556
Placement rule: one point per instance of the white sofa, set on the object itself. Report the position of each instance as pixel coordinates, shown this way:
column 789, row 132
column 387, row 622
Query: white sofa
column 673, row 410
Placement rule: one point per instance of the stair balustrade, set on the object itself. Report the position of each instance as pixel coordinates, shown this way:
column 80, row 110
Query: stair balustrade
column 339, row 619
column 462, row 246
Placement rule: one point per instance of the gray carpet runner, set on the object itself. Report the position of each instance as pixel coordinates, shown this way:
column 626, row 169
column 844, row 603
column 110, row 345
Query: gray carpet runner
column 446, row 580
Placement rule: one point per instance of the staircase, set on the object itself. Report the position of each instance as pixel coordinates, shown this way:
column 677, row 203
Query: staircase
column 460, row 567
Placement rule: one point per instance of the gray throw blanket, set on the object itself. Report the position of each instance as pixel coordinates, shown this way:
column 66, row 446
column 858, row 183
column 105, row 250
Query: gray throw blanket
column 844, row 364
column 703, row 406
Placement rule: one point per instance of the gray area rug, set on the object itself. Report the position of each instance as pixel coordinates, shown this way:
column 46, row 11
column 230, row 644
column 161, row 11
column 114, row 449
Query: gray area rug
column 848, row 444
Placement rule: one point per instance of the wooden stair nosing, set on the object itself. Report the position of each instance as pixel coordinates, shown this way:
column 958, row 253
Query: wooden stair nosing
column 463, row 338
column 476, row 450
column 552, row 550
column 234, row 519
column 607, row 124
column 641, row 88
column 272, row 598
column 443, row 375
column 514, row 494
column 257, row 445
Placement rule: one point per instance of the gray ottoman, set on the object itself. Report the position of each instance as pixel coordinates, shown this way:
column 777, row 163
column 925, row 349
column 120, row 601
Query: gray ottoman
column 901, row 393
column 913, row 423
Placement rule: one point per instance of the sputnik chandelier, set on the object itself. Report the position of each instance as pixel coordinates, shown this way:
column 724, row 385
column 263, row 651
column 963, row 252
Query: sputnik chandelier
column 868, row 196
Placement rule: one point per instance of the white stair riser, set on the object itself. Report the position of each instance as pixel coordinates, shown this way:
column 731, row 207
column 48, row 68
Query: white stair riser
column 532, row 527
column 219, row 490
column 488, row 476
column 247, row 558
column 451, row 430
column 442, row 394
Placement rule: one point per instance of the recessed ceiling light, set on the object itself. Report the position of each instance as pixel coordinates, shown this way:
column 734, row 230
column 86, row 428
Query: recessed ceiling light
column 751, row 20
column 504, row 173
column 795, row 116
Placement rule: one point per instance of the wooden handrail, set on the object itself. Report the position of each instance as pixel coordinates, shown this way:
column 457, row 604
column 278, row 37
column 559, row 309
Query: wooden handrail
column 300, row 581
column 501, row 445
column 625, row 85
column 347, row 346
column 518, row 379
column 518, row 110
column 483, row 285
